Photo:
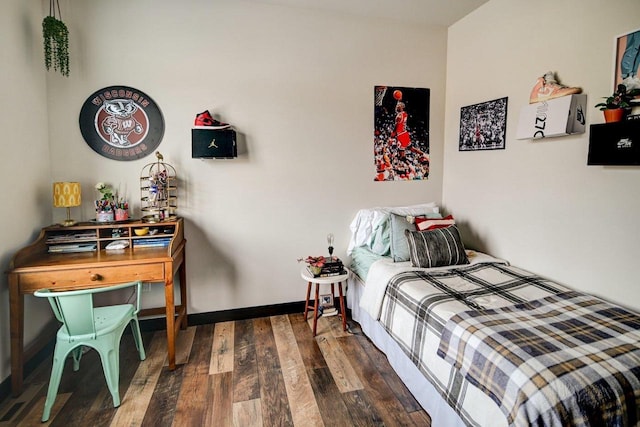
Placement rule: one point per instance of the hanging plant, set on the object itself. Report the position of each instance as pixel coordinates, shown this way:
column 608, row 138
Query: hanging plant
column 56, row 40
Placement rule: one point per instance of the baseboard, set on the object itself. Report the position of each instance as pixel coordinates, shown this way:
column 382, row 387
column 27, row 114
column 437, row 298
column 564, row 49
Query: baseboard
column 160, row 324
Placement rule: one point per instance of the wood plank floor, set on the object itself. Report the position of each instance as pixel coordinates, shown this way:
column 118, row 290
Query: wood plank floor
column 258, row 372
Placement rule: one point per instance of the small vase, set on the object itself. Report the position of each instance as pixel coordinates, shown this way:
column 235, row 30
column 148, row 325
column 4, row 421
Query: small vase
column 104, row 216
column 122, row 214
column 612, row 116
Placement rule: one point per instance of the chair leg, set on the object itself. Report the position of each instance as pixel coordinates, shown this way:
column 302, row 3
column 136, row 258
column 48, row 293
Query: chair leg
column 77, row 355
column 137, row 337
column 110, row 365
column 59, row 357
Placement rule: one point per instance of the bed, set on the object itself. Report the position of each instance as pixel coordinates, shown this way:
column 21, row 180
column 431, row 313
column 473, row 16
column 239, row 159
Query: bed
column 449, row 330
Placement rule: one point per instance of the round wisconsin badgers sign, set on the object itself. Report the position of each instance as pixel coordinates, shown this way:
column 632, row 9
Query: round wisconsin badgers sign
column 121, row 123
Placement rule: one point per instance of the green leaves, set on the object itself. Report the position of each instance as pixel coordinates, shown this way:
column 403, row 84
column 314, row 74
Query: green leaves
column 621, row 98
column 56, row 45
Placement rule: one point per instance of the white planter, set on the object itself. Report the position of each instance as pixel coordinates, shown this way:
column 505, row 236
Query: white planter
column 106, row 216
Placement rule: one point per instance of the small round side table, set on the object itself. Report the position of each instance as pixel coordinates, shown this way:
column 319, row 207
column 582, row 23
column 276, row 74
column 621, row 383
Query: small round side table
column 331, row 280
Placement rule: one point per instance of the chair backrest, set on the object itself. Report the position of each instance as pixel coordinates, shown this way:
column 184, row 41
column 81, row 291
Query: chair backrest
column 75, row 308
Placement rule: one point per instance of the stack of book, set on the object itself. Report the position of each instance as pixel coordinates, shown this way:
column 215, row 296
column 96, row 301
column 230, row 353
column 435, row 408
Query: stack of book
column 72, row 248
column 328, row 311
column 160, row 242
column 334, row 267
column 70, row 237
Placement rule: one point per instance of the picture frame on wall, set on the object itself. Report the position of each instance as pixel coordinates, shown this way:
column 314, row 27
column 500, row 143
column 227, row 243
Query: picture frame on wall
column 483, row 126
column 627, row 60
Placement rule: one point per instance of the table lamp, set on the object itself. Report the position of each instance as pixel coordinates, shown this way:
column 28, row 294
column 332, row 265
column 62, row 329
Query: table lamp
column 330, row 242
column 66, row 195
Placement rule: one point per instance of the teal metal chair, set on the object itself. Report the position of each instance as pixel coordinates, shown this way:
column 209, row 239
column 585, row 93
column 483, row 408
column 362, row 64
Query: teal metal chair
column 97, row 327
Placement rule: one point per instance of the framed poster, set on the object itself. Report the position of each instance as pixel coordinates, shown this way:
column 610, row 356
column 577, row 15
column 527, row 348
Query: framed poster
column 121, row 123
column 627, row 62
column 483, row 126
column 401, row 133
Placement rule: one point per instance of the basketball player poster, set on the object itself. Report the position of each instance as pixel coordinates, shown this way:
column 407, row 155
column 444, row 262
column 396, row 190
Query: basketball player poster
column 401, row 133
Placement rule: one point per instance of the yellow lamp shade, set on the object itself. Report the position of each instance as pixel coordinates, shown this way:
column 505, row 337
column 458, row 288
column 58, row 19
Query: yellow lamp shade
column 66, row 194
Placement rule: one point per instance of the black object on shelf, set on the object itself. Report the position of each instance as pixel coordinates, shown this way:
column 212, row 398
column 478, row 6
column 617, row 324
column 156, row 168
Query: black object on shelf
column 213, row 143
column 615, row 144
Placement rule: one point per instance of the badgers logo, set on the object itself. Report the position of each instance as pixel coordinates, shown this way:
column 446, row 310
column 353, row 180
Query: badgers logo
column 121, row 123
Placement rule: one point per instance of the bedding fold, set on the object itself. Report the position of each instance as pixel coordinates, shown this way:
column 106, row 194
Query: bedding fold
column 568, row 359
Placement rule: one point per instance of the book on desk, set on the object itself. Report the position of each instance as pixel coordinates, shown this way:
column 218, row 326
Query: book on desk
column 72, row 248
column 152, row 243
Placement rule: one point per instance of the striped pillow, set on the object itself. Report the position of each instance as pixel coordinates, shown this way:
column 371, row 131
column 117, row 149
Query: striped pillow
column 436, row 248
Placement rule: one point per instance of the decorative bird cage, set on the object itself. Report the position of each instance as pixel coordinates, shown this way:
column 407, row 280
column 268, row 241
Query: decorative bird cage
column 158, row 191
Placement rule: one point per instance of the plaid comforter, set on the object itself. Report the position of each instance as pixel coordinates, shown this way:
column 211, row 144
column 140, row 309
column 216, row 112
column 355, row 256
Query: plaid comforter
column 418, row 304
column 565, row 360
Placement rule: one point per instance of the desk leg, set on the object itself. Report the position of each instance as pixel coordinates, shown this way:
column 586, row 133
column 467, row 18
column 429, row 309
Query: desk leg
column 16, row 316
column 171, row 312
column 182, row 271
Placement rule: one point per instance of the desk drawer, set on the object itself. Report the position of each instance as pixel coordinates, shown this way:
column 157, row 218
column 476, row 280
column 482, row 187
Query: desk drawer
column 88, row 277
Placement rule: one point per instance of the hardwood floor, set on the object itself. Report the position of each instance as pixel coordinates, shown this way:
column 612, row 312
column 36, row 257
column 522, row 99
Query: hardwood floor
column 268, row 371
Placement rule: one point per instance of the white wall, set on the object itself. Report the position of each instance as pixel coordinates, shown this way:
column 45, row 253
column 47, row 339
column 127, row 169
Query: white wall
column 297, row 85
column 24, row 153
column 538, row 204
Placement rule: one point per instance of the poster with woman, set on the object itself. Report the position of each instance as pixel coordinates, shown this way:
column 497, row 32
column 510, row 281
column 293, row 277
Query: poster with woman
column 627, row 66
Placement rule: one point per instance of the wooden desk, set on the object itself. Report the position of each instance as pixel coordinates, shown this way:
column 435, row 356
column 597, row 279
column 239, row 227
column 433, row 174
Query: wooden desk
column 34, row 267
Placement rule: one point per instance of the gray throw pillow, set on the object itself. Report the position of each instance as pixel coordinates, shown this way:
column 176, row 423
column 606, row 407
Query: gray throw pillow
column 436, row 248
column 399, row 223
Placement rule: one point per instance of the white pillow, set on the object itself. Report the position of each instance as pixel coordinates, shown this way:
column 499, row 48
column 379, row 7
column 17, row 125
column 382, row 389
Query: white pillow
column 366, row 220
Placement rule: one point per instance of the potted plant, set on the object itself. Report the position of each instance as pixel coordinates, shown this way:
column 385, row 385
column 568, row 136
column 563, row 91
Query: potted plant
column 615, row 106
column 105, row 206
column 315, row 263
column 56, row 40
